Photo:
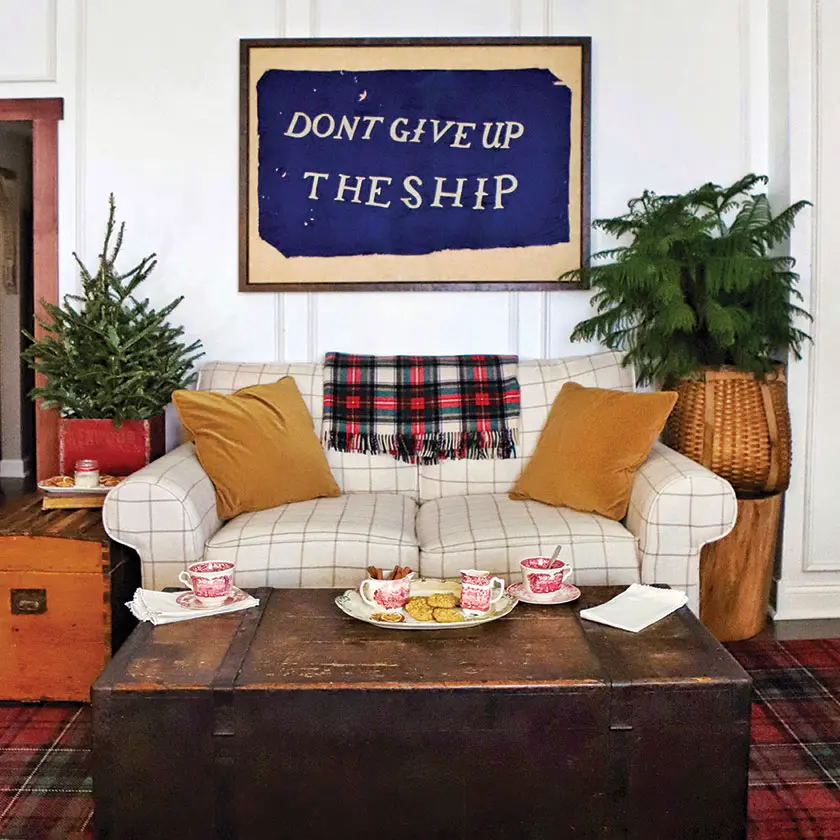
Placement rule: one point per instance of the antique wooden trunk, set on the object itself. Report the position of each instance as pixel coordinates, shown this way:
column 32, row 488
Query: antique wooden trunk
column 59, row 577
column 293, row 720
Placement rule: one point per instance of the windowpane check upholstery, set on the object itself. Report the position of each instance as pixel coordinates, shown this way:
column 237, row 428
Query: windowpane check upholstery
column 325, row 542
column 437, row 519
column 490, row 531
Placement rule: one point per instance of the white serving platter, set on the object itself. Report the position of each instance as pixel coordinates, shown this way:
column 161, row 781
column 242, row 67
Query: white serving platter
column 351, row 603
column 101, row 490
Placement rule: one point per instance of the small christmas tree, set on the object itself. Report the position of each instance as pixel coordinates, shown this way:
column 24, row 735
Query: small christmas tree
column 105, row 354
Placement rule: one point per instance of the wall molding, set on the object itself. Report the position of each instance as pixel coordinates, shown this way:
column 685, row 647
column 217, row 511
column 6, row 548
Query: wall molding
column 314, row 19
column 312, row 297
column 803, row 601
column 515, row 17
column 51, row 64
column 744, row 75
column 513, row 322
column 280, row 18
column 15, row 467
column 280, row 298
column 80, row 112
column 809, row 564
column 279, row 327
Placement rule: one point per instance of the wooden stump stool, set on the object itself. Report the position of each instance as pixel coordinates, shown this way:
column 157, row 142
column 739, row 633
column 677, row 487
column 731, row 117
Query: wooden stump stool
column 736, row 572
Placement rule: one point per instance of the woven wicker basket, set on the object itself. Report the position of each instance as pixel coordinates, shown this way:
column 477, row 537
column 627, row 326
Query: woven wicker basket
column 737, row 424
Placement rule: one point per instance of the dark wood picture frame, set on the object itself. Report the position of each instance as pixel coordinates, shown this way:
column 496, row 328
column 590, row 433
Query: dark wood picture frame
column 263, row 267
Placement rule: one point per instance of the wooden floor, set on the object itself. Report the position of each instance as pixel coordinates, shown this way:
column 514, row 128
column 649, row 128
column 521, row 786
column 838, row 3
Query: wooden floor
column 14, row 488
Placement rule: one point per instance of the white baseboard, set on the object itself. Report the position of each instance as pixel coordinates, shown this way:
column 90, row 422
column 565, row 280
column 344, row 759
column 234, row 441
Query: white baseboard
column 15, row 467
column 803, row 602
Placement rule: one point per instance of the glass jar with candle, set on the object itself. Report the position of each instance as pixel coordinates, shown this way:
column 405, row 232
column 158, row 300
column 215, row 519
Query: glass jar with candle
column 86, row 473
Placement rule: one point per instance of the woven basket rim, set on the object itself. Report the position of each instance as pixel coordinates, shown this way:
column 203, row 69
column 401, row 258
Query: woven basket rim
column 720, row 372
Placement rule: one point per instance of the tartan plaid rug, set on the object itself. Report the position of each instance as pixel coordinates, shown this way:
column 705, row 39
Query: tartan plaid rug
column 795, row 745
column 794, row 793
column 45, row 786
column 422, row 409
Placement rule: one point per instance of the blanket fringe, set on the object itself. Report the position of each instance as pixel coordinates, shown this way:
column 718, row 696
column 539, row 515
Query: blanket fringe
column 428, row 449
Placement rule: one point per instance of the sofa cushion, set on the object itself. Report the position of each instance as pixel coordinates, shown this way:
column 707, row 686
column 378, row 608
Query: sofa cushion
column 324, row 542
column 540, row 380
column 593, row 442
column 353, row 472
column 227, row 377
column 490, row 531
column 257, row 445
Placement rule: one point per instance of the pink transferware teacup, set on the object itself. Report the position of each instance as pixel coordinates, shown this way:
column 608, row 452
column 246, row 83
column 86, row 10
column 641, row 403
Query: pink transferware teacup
column 543, row 576
column 386, row 594
column 479, row 591
column 210, row 581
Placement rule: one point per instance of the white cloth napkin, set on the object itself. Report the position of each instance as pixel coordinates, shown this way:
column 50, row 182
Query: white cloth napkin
column 162, row 608
column 637, row 607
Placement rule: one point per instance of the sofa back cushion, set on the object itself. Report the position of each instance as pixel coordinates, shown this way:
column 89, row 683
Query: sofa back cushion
column 540, row 380
column 353, row 472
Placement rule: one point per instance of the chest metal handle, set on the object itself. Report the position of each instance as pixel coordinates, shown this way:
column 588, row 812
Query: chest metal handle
column 29, row 601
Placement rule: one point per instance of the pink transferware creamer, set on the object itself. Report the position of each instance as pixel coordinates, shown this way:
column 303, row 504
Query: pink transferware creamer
column 479, row 591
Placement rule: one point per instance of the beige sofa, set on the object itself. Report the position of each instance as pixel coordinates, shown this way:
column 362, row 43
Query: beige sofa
column 437, row 519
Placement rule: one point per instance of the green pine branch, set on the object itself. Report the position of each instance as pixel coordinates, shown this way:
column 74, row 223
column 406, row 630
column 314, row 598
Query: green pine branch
column 104, row 353
column 697, row 285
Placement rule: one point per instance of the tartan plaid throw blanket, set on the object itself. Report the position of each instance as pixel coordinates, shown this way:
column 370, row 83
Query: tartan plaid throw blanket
column 422, row 409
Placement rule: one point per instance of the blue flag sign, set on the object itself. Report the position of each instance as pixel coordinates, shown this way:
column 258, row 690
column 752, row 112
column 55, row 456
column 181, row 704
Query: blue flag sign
column 412, row 161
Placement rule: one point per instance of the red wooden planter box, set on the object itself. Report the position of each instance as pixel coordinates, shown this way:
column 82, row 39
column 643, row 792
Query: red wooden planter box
column 120, row 450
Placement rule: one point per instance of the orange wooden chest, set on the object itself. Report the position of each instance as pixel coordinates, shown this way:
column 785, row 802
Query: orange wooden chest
column 61, row 579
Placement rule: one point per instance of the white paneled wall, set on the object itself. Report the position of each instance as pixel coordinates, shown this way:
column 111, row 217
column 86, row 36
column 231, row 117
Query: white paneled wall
column 159, row 106
column 28, row 45
column 682, row 92
column 659, row 121
column 810, row 580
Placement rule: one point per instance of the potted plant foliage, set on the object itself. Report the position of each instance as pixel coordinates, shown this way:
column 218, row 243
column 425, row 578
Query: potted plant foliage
column 698, row 302
column 110, row 363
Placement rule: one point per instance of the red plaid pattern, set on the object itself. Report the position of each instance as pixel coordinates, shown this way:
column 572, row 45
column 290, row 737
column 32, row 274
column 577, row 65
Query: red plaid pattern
column 795, row 752
column 45, row 785
column 422, row 409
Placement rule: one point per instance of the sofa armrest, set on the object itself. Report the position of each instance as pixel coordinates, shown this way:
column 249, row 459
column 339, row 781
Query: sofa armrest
column 676, row 507
column 165, row 511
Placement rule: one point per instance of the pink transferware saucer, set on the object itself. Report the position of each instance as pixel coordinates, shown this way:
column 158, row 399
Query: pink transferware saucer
column 566, row 593
column 191, row 601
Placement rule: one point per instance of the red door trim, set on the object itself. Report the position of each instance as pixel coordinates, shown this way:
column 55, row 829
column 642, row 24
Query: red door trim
column 44, row 114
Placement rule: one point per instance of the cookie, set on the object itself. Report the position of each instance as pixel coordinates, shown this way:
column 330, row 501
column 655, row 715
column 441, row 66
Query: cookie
column 447, row 616
column 392, row 617
column 446, row 600
column 59, row 481
column 419, row 609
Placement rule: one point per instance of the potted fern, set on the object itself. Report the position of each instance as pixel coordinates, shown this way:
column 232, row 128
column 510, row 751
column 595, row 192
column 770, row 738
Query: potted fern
column 698, row 302
column 110, row 363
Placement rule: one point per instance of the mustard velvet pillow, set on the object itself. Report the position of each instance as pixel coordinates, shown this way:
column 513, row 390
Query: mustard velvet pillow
column 590, row 448
column 257, row 445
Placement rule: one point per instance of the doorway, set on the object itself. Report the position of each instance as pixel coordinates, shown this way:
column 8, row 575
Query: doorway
column 17, row 412
column 41, row 116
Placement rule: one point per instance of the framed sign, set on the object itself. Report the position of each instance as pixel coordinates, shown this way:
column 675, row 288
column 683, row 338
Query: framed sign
column 413, row 164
